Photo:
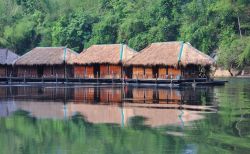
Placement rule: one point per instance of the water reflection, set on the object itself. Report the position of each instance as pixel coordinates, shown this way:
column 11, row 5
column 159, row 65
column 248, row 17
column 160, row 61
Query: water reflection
column 125, row 120
column 116, row 105
column 108, row 95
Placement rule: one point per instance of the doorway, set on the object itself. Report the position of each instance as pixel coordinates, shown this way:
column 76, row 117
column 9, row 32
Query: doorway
column 155, row 72
column 40, row 71
column 96, row 70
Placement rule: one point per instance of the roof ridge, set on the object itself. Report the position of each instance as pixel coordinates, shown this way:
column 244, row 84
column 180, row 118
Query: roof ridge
column 169, row 42
column 50, row 47
column 106, row 44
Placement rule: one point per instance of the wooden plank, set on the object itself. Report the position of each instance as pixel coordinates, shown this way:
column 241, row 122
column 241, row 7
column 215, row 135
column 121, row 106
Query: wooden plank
column 174, row 72
column 115, row 71
column 148, row 73
column 104, row 71
column 162, row 72
column 89, row 71
column 138, row 72
column 79, row 71
column 3, row 71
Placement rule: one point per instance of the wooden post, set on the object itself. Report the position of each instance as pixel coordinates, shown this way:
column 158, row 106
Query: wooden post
column 56, row 78
column 97, row 77
column 156, row 79
column 123, row 78
column 24, row 80
column 10, row 79
column 112, row 77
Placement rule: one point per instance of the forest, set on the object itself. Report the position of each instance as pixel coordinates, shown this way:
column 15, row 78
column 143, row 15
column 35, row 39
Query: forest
column 216, row 27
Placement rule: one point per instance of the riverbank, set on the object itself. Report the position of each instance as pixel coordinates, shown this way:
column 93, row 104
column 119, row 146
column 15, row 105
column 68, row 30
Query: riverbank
column 221, row 72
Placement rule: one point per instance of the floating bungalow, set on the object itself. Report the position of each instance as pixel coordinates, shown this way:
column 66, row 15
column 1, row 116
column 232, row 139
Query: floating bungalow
column 104, row 61
column 7, row 58
column 46, row 62
column 170, row 60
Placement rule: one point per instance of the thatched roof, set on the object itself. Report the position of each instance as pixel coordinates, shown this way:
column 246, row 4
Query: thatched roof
column 171, row 54
column 106, row 54
column 7, row 57
column 48, row 56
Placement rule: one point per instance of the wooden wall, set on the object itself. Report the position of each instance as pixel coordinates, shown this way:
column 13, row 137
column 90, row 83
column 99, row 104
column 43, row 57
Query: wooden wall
column 47, row 71
column 2, row 71
column 173, row 72
column 89, row 70
column 148, row 73
column 115, row 71
column 104, row 71
column 191, row 71
column 82, row 71
column 26, row 71
column 162, row 72
column 79, row 71
column 7, row 70
column 138, row 72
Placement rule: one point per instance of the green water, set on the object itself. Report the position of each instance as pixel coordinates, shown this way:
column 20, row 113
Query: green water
column 223, row 125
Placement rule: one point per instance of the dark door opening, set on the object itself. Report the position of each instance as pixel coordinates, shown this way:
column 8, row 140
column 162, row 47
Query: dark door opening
column 155, row 72
column 96, row 70
column 39, row 71
column 128, row 72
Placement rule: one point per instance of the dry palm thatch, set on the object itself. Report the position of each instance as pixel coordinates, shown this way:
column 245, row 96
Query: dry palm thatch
column 7, row 57
column 48, row 56
column 106, row 54
column 171, row 54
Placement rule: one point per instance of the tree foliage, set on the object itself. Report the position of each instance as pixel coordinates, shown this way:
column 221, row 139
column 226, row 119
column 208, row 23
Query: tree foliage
column 208, row 25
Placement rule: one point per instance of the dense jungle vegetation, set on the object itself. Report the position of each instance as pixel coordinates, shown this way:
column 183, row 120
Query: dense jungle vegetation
column 212, row 26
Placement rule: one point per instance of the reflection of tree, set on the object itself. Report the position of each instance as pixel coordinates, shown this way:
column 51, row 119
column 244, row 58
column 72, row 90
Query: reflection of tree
column 23, row 133
column 138, row 122
column 228, row 130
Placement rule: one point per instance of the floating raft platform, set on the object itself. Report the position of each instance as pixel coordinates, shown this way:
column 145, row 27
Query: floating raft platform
column 132, row 82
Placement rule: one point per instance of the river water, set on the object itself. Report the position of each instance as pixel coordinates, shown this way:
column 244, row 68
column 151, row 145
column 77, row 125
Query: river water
column 112, row 119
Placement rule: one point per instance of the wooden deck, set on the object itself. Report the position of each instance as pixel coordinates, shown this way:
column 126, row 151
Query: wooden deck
column 132, row 82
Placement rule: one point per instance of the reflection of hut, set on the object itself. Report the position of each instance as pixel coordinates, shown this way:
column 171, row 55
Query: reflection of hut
column 47, row 62
column 110, row 95
column 143, row 95
column 169, row 59
column 84, row 95
column 104, row 61
column 7, row 58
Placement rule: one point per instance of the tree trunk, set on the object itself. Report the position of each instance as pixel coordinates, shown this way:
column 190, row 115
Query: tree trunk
column 239, row 26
